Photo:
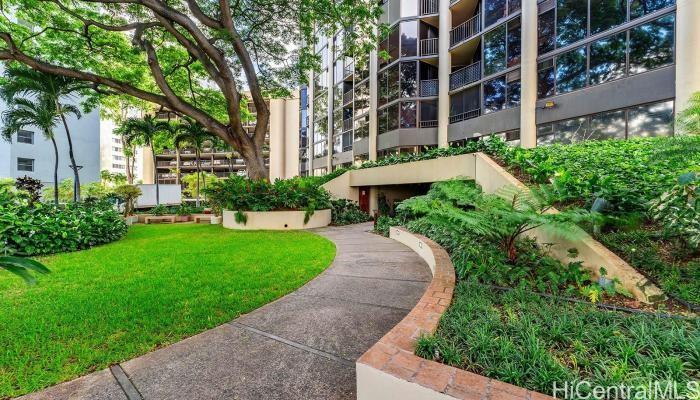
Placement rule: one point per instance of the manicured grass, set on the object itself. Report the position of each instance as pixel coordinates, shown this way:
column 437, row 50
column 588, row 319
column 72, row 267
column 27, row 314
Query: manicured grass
column 532, row 342
column 158, row 285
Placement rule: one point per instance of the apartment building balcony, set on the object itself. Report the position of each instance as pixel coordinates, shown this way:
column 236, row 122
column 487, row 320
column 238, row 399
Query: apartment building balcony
column 166, row 164
column 429, row 87
column 465, row 115
column 348, row 70
column 466, row 75
column 428, row 7
column 465, row 30
column 429, row 124
column 347, row 97
column 347, row 124
column 429, row 47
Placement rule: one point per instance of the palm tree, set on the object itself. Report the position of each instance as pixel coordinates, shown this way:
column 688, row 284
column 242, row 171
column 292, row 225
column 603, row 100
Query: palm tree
column 144, row 132
column 26, row 82
column 42, row 114
column 192, row 134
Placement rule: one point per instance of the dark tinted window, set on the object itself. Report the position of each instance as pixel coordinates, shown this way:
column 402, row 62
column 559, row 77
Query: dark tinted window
column 513, row 42
column 513, row 6
column 409, row 38
column 408, row 114
column 571, row 21
column 609, row 125
column 572, row 130
column 393, row 117
column 513, row 94
column 545, row 32
column 606, row 14
column 494, row 10
column 495, row 50
column 495, row 94
column 545, row 78
column 640, row 8
column 571, row 70
column 409, row 83
column 608, row 58
column 651, row 45
column 651, row 120
column 428, row 110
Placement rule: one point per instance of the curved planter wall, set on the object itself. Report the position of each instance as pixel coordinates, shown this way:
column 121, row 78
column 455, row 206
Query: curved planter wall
column 390, row 369
column 277, row 220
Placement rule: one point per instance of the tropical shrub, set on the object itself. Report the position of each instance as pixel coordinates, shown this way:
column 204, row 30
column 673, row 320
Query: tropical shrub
column 30, row 185
column 206, row 179
column 128, row 194
column 45, row 228
column 183, row 210
column 159, row 210
column 678, row 209
column 346, row 212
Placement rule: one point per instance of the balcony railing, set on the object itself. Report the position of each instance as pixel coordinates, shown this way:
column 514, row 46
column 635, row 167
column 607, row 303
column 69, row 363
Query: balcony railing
column 465, row 30
column 465, row 115
column 429, row 47
column 347, row 97
column 428, row 7
column 347, row 124
column 429, row 124
column 348, row 70
column 429, row 87
column 464, row 76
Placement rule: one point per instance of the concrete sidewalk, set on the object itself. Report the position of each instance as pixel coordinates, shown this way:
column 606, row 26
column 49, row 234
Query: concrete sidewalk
column 302, row 346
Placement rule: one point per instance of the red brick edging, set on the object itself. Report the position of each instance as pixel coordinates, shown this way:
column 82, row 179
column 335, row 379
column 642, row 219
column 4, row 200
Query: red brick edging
column 394, row 354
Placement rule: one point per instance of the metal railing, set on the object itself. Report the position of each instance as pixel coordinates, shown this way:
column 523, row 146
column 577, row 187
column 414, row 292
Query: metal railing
column 429, row 87
column 347, row 97
column 429, row 124
column 428, row 7
column 347, row 124
column 466, row 75
column 465, row 115
column 429, row 47
column 465, row 30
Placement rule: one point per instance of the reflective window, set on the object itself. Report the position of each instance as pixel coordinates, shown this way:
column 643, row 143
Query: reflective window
column 320, row 149
column 608, row 56
column 640, row 8
column 495, row 50
column 337, row 144
column 572, row 21
column 651, row 120
column 361, row 98
column 651, row 45
column 572, row 130
column 606, row 14
column 409, row 38
column 545, row 78
column 494, row 94
column 408, row 114
column 513, row 6
column 428, row 110
column 320, row 129
column 513, row 42
column 321, row 106
column 571, row 70
column 409, row 82
column 609, row 125
column 393, row 117
column 494, row 10
column 513, row 94
column 362, row 127
column 545, row 32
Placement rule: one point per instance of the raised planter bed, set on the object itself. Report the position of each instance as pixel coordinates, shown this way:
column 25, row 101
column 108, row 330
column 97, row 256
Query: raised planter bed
column 391, row 370
column 277, row 220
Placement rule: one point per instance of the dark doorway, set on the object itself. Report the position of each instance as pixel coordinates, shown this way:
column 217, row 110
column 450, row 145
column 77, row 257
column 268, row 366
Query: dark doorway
column 364, row 199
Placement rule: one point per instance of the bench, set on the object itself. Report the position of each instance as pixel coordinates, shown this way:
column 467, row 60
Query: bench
column 162, row 218
column 200, row 218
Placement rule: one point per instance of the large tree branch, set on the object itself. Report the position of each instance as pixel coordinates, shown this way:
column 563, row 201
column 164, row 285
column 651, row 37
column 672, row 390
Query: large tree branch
column 202, row 17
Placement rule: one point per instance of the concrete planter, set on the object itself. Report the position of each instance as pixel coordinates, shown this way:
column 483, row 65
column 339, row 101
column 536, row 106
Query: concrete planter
column 141, row 218
column 277, row 220
column 131, row 219
column 182, row 218
column 215, row 220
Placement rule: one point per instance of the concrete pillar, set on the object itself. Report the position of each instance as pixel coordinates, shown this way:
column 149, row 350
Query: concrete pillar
column 528, row 75
column 291, row 136
column 331, row 78
column 687, row 51
column 277, row 139
column 373, row 88
column 148, row 172
column 310, row 129
column 373, row 200
column 444, row 67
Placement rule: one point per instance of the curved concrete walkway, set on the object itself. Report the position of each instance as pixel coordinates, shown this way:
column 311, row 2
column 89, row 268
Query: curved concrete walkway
column 302, row 346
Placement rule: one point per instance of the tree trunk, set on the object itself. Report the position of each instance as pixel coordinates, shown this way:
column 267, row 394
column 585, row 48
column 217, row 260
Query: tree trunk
column 129, row 173
column 255, row 164
column 155, row 174
column 74, row 166
column 198, row 174
column 55, row 171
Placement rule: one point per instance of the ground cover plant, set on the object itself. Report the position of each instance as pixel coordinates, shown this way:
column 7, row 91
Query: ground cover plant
column 346, row 212
column 158, row 285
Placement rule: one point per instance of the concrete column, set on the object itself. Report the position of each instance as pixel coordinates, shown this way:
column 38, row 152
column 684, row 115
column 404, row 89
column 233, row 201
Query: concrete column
column 373, row 88
column 528, row 75
column 291, row 136
column 687, row 51
column 444, row 67
column 310, row 130
column 331, row 72
column 277, row 138
column 147, row 164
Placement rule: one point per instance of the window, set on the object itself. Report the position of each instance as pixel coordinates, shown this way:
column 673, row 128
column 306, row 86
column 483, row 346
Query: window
column 513, row 42
column 494, row 10
column 513, row 90
column 572, row 22
column 651, row 120
column 606, row 14
column 640, row 8
column 495, row 50
column 428, row 110
column 409, row 83
column 118, row 149
column 362, row 98
column 25, row 164
column 545, row 32
column 408, row 114
column 362, row 127
column 25, row 137
column 608, row 59
column 572, row 130
column 651, row 45
column 609, row 125
column 320, row 149
column 571, row 70
column 117, row 140
column 409, row 38
column 494, row 94
column 545, row 78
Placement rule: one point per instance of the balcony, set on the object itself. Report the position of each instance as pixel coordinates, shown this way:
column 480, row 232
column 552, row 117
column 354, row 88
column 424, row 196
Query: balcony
column 428, row 7
column 429, row 87
column 464, row 76
column 348, row 70
column 347, row 97
column 429, row 124
column 465, row 30
column 465, row 115
column 347, row 124
column 429, row 47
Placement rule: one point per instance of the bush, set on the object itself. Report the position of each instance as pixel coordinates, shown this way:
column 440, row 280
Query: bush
column 159, row 210
column 346, row 212
column 31, row 186
column 183, row 210
column 678, row 210
column 128, row 194
column 44, row 228
column 242, row 194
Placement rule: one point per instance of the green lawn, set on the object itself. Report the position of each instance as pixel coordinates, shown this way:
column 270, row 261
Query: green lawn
column 158, row 285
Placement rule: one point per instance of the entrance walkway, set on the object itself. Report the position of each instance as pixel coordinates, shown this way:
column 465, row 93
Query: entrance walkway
column 302, row 346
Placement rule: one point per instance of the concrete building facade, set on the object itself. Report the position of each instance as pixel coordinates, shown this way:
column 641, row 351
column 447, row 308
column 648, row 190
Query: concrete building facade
column 533, row 71
column 112, row 156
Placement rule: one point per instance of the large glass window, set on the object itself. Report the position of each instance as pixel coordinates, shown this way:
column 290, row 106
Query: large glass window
column 606, row 14
column 408, row 114
column 608, row 125
column 545, row 78
column 362, row 98
column 494, row 10
column 513, row 93
column 495, row 94
column 362, row 127
column 321, row 105
column 608, row 57
column 514, row 42
column 639, row 8
column 571, row 70
column 428, row 110
column 651, row 45
column 572, row 130
column 409, row 38
column 495, row 50
column 409, row 81
column 393, row 117
column 651, row 120
column 572, row 21
column 545, row 32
